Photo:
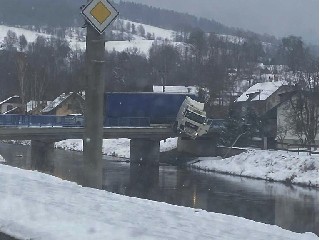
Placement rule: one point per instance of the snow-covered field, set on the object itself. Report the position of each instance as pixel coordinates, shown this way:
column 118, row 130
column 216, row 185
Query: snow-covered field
column 34, row 205
column 114, row 147
column 269, row 165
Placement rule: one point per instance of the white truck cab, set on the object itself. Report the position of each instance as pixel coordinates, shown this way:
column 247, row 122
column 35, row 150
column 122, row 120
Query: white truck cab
column 191, row 118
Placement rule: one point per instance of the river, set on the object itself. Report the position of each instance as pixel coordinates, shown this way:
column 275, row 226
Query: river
column 290, row 207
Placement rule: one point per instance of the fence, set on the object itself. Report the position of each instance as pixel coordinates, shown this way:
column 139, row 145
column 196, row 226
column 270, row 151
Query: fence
column 299, row 148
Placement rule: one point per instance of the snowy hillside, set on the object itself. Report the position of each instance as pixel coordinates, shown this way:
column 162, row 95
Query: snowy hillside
column 30, row 35
column 157, row 32
column 136, row 40
column 76, row 37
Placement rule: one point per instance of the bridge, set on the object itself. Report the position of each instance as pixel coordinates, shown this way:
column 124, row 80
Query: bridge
column 61, row 133
column 144, row 143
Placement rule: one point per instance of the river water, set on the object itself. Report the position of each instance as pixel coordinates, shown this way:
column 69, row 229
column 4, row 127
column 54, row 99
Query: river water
column 290, row 207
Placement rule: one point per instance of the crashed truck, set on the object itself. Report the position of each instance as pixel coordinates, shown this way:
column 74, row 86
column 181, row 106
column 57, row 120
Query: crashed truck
column 182, row 111
column 191, row 118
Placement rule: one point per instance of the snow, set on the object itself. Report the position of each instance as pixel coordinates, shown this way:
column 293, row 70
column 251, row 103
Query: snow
column 119, row 46
column 266, row 89
column 15, row 97
column 2, row 160
column 10, row 111
column 52, row 105
column 114, row 147
column 30, row 35
column 266, row 164
column 34, row 205
column 158, row 32
column 34, row 104
column 176, row 89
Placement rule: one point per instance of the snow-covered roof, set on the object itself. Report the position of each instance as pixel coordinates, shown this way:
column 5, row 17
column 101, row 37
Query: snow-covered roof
column 56, row 102
column 33, row 104
column 176, row 89
column 262, row 90
column 15, row 97
column 11, row 110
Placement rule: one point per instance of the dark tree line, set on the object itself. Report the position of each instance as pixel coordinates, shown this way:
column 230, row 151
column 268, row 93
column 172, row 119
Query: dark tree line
column 40, row 70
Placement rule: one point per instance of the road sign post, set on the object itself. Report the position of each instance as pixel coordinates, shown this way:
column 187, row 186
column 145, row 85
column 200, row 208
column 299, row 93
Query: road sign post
column 99, row 13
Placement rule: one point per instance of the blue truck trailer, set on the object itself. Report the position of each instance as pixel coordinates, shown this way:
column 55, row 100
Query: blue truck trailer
column 143, row 108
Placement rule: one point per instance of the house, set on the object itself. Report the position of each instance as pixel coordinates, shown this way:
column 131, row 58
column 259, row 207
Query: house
column 70, row 103
column 35, row 107
column 12, row 105
column 262, row 100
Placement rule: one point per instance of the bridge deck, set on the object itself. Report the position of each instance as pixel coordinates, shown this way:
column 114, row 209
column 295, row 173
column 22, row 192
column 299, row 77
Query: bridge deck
column 60, row 133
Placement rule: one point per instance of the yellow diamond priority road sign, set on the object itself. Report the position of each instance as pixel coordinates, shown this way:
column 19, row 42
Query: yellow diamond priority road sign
column 99, row 13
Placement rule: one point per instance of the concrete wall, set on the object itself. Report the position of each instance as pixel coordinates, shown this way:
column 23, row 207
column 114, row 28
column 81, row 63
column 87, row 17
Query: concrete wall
column 203, row 147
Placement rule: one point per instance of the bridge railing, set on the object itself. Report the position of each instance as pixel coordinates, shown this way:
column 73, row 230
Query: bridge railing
column 31, row 120
column 128, row 122
column 76, row 121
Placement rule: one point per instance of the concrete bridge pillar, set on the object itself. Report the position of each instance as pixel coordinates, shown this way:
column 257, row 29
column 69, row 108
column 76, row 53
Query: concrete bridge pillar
column 41, row 156
column 145, row 151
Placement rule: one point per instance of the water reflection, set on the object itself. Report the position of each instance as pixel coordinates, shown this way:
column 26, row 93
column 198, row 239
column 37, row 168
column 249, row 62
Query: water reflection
column 290, row 207
column 144, row 181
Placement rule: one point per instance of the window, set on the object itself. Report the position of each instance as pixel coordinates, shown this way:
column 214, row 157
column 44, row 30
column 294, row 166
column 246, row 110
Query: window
column 195, row 117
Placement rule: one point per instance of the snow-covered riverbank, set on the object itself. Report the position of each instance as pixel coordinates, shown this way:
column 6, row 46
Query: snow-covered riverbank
column 34, row 205
column 266, row 164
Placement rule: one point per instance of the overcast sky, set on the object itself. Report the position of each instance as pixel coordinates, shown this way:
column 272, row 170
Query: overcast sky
column 277, row 17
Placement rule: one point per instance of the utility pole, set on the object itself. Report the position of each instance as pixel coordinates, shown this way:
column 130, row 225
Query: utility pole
column 92, row 142
column 98, row 14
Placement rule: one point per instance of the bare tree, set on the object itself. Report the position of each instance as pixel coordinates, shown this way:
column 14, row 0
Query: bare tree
column 303, row 110
column 10, row 41
column 22, row 43
column 141, row 30
column 21, row 61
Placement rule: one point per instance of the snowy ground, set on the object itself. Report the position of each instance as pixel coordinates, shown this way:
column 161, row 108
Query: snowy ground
column 34, row 205
column 269, row 165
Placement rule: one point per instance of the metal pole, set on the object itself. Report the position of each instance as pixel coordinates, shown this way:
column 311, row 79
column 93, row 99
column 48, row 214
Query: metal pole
column 92, row 142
